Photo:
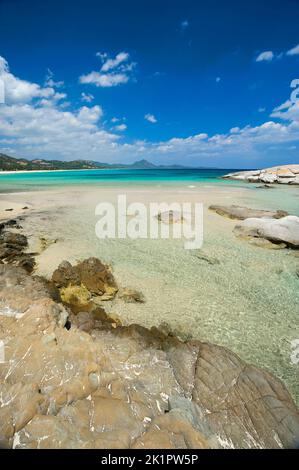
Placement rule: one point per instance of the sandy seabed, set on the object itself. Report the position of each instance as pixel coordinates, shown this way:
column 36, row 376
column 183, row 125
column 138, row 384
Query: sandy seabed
column 246, row 298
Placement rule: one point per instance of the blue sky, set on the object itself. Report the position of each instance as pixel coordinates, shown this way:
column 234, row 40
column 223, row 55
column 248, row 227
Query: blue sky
column 191, row 82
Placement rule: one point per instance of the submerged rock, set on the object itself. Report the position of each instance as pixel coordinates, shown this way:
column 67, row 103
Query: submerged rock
column 170, row 217
column 285, row 230
column 95, row 385
column 242, row 213
column 131, row 296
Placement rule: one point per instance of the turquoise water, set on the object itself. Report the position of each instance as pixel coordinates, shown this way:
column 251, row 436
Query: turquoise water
column 38, row 180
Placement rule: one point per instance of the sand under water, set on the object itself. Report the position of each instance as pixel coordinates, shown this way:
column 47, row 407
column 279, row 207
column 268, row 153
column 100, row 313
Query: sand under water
column 229, row 292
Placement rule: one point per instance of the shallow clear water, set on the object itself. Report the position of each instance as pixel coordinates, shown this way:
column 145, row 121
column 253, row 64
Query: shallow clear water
column 248, row 302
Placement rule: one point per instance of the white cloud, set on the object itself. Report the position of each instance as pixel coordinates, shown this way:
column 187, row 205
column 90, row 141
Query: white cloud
column 51, row 82
column 21, row 91
column 114, row 71
column 104, row 80
column 150, row 118
column 87, row 97
column 110, row 64
column 42, row 127
column 261, row 110
column 121, row 127
column 293, row 51
column 267, row 56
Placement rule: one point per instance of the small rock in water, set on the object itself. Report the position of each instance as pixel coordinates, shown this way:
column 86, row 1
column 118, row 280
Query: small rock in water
column 170, row 217
column 131, row 296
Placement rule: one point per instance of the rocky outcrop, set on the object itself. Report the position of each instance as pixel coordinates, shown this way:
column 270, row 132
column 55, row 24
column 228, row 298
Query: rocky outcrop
column 286, row 174
column 285, row 231
column 84, row 381
column 13, row 248
column 90, row 274
column 242, row 213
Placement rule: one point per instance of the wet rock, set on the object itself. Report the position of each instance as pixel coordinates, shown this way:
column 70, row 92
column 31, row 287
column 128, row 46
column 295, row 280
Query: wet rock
column 65, row 275
column 96, row 277
column 12, row 246
column 14, row 239
column 242, row 213
column 45, row 243
column 131, row 296
column 76, row 297
column 91, row 273
column 285, row 230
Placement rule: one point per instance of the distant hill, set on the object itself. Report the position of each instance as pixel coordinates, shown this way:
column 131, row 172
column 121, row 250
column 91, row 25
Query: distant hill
column 16, row 164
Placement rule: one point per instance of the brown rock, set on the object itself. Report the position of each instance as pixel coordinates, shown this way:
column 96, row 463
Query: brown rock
column 242, row 213
column 131, row 296
column 96, row 277
column 65, row 275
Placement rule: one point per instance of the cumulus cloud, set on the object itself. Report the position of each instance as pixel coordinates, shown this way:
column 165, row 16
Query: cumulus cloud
column 293, row 51
column 32, row 128
column 266, row 56
column 114, row 71
column 150, row 118
column 17, row 90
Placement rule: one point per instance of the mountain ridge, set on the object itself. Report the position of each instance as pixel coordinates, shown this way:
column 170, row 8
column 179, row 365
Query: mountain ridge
column 8, row 163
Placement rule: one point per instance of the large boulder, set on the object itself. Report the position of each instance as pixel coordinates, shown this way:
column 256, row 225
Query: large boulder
column 242, row 213
column 96, row 277
column 91, row 274
column 285, row 230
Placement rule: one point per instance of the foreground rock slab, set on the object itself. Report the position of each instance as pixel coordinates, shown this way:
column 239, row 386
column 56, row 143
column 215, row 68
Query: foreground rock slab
column 242, row 213
column 285, row 230
column 100, row 386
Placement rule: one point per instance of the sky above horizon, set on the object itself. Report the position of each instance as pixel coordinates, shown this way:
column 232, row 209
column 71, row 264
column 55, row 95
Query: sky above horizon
column 203, row 83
